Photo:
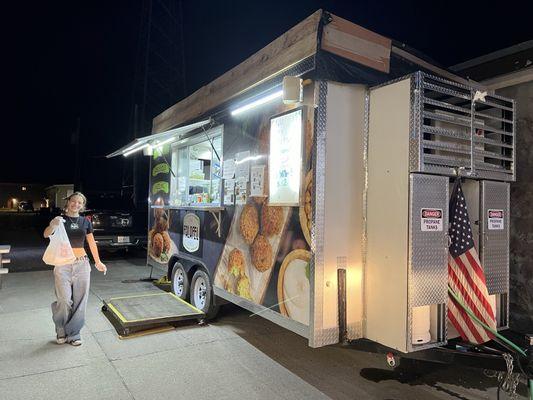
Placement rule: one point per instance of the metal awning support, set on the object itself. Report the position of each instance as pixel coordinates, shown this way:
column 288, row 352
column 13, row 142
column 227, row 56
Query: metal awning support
column 158, row 139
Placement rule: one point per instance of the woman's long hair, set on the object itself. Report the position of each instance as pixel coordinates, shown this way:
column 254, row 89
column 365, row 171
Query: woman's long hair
column 67, row 199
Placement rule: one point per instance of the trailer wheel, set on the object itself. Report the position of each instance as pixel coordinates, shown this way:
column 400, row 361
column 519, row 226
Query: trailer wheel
column 180, row 281
column 202, row 294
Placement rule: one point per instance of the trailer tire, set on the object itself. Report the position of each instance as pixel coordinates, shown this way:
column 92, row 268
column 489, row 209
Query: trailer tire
column 180, row 281
column 202, row 296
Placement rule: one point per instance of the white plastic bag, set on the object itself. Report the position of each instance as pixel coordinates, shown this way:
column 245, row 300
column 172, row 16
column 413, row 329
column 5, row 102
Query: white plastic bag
column 59, row 251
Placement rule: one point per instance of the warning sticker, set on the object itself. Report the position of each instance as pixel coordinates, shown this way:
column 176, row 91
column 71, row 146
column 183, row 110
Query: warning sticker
column 495, row 219
column 431, row 219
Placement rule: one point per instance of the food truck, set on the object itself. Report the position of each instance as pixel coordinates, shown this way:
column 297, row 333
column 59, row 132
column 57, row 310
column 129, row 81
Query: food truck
column 310, row 184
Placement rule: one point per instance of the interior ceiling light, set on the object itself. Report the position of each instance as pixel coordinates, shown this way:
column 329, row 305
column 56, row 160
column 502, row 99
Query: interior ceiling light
column 258, row 102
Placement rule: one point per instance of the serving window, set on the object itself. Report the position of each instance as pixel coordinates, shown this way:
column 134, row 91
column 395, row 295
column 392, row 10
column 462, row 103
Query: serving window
column 196, row 163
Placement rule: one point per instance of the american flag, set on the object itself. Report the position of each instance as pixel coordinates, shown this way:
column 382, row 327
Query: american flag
column 466, row 276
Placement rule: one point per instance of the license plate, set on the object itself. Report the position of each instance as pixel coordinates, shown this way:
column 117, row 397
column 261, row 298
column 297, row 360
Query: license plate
column 123, row 239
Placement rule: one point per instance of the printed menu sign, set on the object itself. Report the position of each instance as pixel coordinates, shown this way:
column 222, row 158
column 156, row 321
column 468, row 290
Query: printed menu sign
column 229, row 192
column 242, row 165
column 495, row 219
column 241, row 191
column 285, row 163
column 431, row 220
column 258, row 181
column 228, row 169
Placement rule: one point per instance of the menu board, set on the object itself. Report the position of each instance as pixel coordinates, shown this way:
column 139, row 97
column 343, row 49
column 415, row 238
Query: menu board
column 285, row 162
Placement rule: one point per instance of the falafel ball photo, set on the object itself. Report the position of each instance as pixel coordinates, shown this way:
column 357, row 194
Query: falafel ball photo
column 249, row 223
column 261, row 253
column 271, row 220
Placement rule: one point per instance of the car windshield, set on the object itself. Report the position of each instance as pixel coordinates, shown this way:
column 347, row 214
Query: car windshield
column 108, row 202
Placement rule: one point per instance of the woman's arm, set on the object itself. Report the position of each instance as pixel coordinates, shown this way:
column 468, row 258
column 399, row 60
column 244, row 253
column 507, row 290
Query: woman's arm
column 100, row 266
column 52, row 227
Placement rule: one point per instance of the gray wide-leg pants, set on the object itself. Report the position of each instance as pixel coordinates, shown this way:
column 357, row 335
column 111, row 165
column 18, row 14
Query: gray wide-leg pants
column 72, row 291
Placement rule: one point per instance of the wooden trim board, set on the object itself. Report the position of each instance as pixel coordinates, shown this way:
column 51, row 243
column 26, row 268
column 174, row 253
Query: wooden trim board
column 356, row 43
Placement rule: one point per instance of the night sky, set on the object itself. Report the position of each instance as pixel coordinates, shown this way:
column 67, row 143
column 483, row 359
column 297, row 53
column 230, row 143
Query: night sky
column 68, row 60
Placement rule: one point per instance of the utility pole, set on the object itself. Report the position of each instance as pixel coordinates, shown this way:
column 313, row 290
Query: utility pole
column 77, row 161
column 159, row 79
column 135, row 191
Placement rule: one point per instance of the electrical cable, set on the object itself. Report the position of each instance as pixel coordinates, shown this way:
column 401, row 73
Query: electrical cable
column 488, row 328
column 502, row 340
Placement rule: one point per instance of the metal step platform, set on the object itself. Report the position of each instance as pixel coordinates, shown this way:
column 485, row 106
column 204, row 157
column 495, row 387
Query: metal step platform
column 150, row 311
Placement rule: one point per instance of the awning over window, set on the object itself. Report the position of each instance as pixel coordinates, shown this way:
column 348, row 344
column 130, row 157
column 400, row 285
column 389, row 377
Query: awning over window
column 159, row 139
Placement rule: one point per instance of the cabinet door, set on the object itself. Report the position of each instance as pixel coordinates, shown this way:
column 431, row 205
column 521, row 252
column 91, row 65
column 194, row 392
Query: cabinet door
column 494, row 222
column 428, row 240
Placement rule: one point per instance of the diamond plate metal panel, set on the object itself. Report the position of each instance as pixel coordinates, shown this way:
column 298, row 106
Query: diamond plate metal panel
column 415, row 126
column 494, row 250
column 318, row 336
column 355, row 331
column 364, row 240
column 477, row 165
column 428, row 251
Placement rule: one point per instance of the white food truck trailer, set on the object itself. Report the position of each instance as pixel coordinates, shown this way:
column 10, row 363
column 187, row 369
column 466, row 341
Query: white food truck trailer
column 295, row 185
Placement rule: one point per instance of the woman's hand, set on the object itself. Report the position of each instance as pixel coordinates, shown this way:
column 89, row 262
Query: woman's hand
column 50, row 229
column 100, row 266
column 55, row 222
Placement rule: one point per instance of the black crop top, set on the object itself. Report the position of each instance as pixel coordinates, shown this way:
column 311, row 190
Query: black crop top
column 77, row 228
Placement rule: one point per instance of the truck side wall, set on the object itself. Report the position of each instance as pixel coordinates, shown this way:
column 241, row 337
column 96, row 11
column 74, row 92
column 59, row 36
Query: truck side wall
column 227, row 240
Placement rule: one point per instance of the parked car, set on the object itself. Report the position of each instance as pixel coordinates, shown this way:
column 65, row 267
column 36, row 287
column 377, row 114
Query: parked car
column 25, row 206
column 116, row 223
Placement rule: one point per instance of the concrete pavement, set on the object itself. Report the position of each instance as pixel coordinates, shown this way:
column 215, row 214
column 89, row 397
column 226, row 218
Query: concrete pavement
column 234, row 357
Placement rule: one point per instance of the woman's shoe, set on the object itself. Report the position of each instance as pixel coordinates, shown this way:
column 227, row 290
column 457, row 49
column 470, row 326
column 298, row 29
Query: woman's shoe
column 61, row 340
column 76, row 342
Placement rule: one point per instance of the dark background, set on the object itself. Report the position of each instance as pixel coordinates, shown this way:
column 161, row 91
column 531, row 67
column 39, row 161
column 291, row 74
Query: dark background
column 91, row 62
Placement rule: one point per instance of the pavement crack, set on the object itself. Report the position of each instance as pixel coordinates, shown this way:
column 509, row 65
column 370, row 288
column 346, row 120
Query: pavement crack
column 174, row 349
column 43, row 372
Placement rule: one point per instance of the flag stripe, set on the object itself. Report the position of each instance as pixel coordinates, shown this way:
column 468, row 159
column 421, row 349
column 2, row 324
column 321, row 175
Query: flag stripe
column 476, row 266
column 471, row 329
column 480, row 282
column 482, row 297
column 459, row 326
column 479, row 333
column 473, row 334
column 460, row 289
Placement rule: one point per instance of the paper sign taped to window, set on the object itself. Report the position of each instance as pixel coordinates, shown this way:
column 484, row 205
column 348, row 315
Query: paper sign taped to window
column 229, row 192
column 257, row 182
column 228, row 169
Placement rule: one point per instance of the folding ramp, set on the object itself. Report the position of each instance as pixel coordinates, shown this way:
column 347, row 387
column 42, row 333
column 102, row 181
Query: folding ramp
column 150, row 311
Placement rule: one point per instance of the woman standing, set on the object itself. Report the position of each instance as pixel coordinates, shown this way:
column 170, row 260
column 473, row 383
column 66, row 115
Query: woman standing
column 72, row 280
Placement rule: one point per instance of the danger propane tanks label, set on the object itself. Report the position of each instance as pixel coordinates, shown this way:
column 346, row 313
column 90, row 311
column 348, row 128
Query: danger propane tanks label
column 495, row 220
column 431, row 220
